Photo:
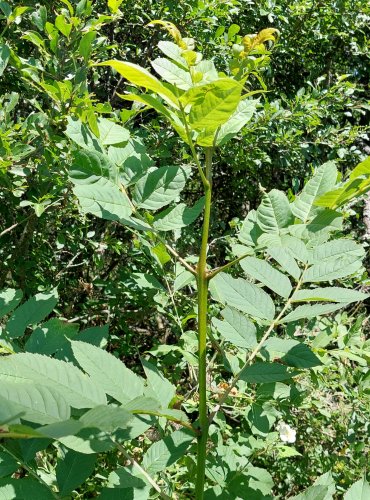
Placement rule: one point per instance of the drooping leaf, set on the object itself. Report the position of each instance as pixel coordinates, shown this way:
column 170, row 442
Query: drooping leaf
column 167, row 451
column 236, row 328
column 322, row 181
column 250, row 231
column 31, row 312
column 73, row 470
column 268, row 275
column 274, row 212
column 242, row 295
column 160, row 187
column 141, row 77
column 116, row 380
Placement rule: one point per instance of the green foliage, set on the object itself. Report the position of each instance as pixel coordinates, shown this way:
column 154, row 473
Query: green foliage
column 271, row 392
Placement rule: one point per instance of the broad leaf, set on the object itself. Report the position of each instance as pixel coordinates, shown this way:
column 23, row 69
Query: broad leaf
column 236, row 328
column 242, row 295
column 132, row 160
column 274, row 212
column 332, row 269
column 34, row 402
column 103, row 199
column 322, row 181
column 158, row 387
column 160, row 187
column 106, row 418
column 115, row 379
column 76, row 387
column 214, row 103
column 9, row 299
column 330, row 294
column 81, row 135
column 336, row 249
column 250, row 231
column 285, row 260
column 177, row 217
column 292, row 352
column 360, row 490
column 73, row 470
column 307, row 311
column 172, row 73
column 167, row 451
column 236, row 122
column 268, row 275
column 111, row 133
column 51, row 336
column 261, row 373
column 31, row 312
column 17, row 489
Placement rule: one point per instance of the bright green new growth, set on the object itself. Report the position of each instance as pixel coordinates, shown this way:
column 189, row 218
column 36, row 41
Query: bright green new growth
column 289, row 254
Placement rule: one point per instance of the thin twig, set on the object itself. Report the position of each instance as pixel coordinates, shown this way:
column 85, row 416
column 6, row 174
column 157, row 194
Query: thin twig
column 212, row 274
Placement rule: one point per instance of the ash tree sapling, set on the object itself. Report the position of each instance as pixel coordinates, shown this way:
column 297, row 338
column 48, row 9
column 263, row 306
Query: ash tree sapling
column 290, row 258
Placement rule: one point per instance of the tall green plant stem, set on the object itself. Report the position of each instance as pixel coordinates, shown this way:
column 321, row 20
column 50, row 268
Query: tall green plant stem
column 202, row 282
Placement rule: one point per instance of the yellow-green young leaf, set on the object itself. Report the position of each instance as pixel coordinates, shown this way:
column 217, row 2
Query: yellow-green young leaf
column 213, row 103
column 62, row 25
column 237, row 120
column 329, row 294
column 242, row 295
column 351, row 189
column 362, row 169
column 141, row 77
column 114, row 5
column 111, row 133
column 268, row 275
column 85, row 45
column 322, row 181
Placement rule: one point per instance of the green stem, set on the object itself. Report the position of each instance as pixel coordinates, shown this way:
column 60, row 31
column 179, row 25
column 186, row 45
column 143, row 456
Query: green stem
column 202, row 282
